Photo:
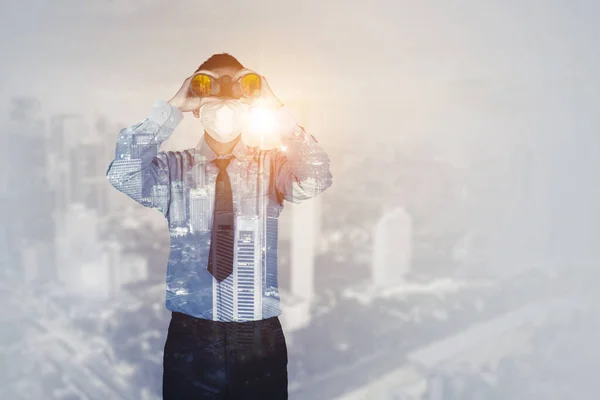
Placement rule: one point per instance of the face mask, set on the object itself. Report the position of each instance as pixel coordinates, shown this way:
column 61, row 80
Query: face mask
column 223, row 119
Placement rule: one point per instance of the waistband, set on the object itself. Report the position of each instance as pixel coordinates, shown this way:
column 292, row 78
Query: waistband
column 188, row 319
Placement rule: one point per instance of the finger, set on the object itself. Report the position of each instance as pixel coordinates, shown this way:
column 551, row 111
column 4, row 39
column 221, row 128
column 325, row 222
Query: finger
column 266, row 89
column 196, row 112
column 268, row 94
column 186, row 86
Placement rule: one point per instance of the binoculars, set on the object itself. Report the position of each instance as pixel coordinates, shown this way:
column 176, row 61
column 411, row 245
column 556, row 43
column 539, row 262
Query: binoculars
column 248, row 84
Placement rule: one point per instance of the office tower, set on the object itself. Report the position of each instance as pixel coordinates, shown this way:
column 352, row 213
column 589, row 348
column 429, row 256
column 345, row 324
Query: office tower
column 65, row 135
column 126, row 175
column 27, row 159
column 249, row 301
column 28, row 200
column 270, row 274
column 239, row 296
column 200, row 210
column 392, row 248
column 305, row 225
column 87, row 169
column 178, row 205
column 299, row 231
column 82, row 260
column 198, row 173
column 160, row 197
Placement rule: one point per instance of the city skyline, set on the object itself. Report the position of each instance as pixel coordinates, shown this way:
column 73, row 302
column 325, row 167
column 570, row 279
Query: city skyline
column 478, row 119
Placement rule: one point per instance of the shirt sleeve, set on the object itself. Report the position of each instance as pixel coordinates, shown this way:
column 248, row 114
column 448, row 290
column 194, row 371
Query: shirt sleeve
column 139, row 169
column 302, row 167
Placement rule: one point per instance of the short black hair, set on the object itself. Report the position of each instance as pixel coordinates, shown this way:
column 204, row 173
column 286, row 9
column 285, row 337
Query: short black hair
column 222, row 60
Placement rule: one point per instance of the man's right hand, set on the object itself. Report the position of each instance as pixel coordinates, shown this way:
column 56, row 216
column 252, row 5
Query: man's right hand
column 185, row 100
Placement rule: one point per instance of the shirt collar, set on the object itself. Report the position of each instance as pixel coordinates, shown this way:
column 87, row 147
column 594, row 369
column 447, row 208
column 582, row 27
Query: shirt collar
column 205, row 152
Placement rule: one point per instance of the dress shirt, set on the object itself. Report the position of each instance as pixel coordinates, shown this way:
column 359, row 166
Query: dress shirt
column 181, row 185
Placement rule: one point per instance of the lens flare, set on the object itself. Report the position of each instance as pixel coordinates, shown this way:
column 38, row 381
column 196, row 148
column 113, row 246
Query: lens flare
column 262, row 124
column 262, row 120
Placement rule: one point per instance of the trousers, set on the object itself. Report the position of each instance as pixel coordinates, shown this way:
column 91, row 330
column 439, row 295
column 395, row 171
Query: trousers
column 205, row 359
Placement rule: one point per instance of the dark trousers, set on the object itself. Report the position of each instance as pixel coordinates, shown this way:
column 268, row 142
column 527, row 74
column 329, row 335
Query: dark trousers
column 206, row 359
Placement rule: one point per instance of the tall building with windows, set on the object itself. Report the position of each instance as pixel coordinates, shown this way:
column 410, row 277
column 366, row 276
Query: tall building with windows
column 270, row 275
column 305, row 233
column 126, row 175
column 248, row 275
column 65, row 135
column 199, row 210
column 235, row 297
column 143, row 142
column 160, row 197
column 28, row 203
column 392, row 248
column 178, row 204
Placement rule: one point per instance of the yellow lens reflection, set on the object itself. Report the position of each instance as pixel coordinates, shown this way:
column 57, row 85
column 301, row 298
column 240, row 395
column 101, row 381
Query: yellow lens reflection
column 201, row 85
column 250, row 85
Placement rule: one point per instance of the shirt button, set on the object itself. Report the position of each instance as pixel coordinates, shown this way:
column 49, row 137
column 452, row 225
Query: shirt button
column 165, row 114
column 171, row 119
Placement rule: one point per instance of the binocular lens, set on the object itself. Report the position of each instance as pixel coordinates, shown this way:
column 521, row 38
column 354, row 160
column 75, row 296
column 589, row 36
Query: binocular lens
column 250, row 85
column 201, row 85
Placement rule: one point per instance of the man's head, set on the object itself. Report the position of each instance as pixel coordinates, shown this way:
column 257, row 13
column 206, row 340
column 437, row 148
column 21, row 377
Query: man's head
column 221, row 64
column 222, row 116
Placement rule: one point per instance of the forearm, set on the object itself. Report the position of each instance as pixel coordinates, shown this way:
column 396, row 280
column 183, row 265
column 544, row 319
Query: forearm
column 137, row 159
column 145, row 138
column 303, row 166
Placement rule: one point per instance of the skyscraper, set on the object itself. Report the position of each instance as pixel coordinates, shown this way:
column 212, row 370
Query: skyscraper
column 392, row 248
column 160, row 197
column 142, row 141
column 66, row 132
column 125, row 174
column 199, row 210
column 305, row 225
column 30, row 227
column 87, row 174
column 178, row 205
column 270, row 275
column 82, row 262
column 235, row 296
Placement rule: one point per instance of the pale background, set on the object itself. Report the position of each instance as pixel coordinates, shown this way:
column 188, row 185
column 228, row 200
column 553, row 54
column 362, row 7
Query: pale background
column 479, row 119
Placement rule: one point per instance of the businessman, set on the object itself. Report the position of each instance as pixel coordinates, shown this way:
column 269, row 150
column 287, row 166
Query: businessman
column 222, row 200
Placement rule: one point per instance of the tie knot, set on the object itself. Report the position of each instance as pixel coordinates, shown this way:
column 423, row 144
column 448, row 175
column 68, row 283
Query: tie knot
column 222, row 163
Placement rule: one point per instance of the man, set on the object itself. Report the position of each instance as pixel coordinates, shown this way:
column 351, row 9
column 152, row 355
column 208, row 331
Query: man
column 222, row 200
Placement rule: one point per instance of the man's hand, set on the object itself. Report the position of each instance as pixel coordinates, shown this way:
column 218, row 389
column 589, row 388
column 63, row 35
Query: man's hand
column 284, row 119
column 267, row 97
column 185, row 100
column 269, row 121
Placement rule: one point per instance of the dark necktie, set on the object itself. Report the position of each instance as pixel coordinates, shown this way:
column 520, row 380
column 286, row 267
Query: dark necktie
column 220, row 258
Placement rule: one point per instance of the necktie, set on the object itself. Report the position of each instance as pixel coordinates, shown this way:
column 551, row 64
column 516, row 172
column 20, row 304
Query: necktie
column 220, row 258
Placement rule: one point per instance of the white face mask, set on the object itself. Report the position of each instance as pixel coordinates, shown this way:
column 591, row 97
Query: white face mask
column 223, row 119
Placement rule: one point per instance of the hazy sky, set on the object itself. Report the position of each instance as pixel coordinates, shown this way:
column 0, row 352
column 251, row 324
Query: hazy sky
column 456, row 74
column 117, row 56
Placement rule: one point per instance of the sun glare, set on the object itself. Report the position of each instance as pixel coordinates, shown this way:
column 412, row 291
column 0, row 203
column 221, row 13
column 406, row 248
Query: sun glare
column 262, row 120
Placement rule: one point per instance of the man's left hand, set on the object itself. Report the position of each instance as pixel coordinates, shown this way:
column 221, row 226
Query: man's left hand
column 282, row 119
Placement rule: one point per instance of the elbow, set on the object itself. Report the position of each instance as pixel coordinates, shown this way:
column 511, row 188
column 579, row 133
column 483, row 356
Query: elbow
column 109, row 174
column 328, row 181
column 109, row 168
column 115, row 175
column 323, row 178
column 308, row 188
